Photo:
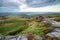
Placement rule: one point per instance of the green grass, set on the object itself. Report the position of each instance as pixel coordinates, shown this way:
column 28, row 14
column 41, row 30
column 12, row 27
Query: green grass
column 34, row 29
column 18, row 25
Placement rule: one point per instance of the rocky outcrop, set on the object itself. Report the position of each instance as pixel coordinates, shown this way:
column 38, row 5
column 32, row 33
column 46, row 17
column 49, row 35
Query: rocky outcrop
column 54, row 34
column 39, row 18
column 22, row 37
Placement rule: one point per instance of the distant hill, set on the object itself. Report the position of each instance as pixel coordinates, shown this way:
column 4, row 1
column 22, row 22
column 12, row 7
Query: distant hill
column 15, row 14
column 29, row 14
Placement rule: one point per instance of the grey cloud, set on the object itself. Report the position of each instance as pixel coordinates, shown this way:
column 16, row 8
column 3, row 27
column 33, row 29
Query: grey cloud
column 6, row 6
column 6, row 9
column 6, row 3
column 41, row 3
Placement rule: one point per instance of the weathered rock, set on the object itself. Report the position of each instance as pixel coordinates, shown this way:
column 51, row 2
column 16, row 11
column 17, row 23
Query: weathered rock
column 54, row 35
column 39, row 18
column 22, row 37
column 0, row 38
column 10, row 38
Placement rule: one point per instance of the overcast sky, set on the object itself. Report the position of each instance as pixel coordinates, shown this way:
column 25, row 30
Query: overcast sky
column 29, row 5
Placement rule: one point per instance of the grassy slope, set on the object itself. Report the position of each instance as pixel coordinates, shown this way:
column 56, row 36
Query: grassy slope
column 17, row 25
column 34, row 29
column 19, row 28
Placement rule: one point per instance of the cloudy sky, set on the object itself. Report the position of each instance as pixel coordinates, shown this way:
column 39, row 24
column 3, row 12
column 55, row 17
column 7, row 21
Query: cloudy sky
column 29, row 5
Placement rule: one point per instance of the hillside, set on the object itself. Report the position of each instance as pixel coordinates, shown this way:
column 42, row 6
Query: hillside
column 10, row 26
column 19, row 26
column 34, row 28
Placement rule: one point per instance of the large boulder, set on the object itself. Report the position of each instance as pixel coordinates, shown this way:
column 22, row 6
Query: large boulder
column 39, row 18
column 53, row 35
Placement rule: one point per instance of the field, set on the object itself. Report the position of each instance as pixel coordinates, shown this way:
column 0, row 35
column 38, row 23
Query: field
column 10, row 26
column 18, row 26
